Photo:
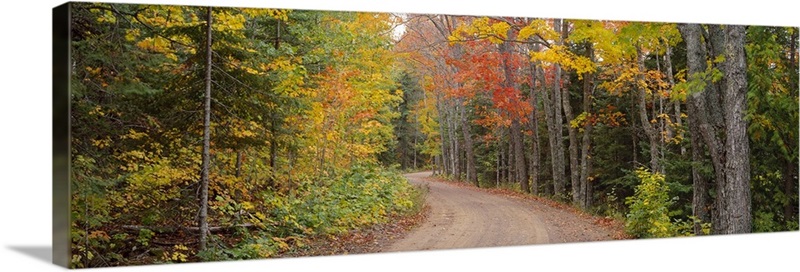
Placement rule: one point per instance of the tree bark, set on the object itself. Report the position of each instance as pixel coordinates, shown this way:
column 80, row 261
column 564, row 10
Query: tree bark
column 444, row 137
column 468, row 150
column 676, row 103
column 557, row 149
column 454, row 156
column 273, row 152
column 722, row 125
column 572, row 132
column 737, row 217
column 498, row 167
column 714, row 100
column 414, row 150
column 534, row 122
column 700, row 203
column 500, row 159
column 239, row 157
column 456, row 53
column 585, row 196
column 519, row 156
column 650, row 132
column 695, row 61
column 512, row 176
column 436, row 167
column 793, row 51
column 788, row 189
column 203, row 216
column 515, row 130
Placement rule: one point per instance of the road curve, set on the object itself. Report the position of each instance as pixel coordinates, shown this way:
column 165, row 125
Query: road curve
column 465, row 218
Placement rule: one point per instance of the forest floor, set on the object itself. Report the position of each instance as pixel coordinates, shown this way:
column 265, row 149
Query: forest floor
column 459, row 215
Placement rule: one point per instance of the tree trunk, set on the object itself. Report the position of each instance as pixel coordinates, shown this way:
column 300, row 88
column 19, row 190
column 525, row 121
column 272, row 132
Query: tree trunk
column 634, row 149
column 652, row 134
column 239, row 156
column 585, row 196
column 788, row 190
column 554, row 140
column 789, row 180
column 445, row 160
column 414, row 149
column 454, row 156
column 700, row 208
column 586, row 168
column 714, row 100
column 444, row 146
column 535, row 156
column 498, row 168
column 737, row 217
column 712, row 122
column 444, row 136
column 675, row 102
column 469, row 164
column 698, row 124
column 273, row 151
column 515, row 130
column 572, row 132
column 202, row 219
column 435, row 166
column 556, row 134
column 501, row 156
column 470, row 156
column 519, row 155
column 272, row 127
column 729, row 150
column 512, row 166
column 793, row 51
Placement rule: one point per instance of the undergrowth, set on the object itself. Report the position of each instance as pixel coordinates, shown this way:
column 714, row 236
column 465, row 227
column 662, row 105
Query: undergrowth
column 362, row 196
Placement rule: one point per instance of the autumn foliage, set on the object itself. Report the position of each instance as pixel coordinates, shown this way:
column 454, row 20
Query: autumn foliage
column 627, row 95
column 312, row 112
column 302, row 105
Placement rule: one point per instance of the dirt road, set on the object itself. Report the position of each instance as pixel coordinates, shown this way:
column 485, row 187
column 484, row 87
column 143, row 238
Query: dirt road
column 465, row 217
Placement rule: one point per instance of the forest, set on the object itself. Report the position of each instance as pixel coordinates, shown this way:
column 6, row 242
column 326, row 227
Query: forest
column 679, row 129
column 220, row 133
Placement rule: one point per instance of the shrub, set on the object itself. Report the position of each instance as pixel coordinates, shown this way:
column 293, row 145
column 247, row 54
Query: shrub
column 648, row 215
column 362, row 196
